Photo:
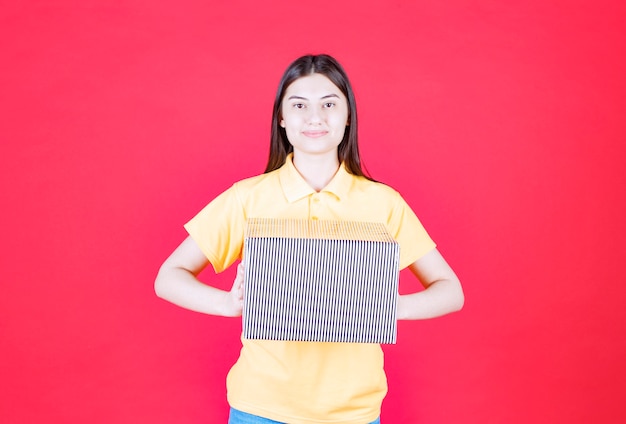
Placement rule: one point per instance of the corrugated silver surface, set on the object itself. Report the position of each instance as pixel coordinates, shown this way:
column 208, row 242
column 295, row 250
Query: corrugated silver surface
column 326, row 281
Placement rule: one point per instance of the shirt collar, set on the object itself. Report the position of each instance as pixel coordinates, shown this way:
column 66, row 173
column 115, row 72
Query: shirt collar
column 295, row 187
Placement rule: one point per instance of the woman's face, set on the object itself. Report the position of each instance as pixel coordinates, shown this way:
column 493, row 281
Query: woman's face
column 314, row 115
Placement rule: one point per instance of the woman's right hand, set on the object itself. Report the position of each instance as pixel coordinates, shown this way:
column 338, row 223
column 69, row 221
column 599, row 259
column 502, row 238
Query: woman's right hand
column 236, row 292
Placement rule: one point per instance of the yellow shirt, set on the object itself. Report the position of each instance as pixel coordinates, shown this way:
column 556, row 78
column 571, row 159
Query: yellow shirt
column 306, row 382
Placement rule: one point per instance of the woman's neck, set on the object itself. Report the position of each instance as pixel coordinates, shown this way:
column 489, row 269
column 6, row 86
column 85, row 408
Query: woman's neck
column 317, row 170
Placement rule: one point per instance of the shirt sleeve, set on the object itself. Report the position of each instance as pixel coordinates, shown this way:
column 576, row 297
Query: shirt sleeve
column 218, row 229
column 409, row 232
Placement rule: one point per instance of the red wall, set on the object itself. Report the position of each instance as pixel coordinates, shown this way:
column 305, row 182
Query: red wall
column 502, row 125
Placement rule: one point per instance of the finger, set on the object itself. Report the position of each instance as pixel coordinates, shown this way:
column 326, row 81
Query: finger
column 241, row 273
column 237, row 288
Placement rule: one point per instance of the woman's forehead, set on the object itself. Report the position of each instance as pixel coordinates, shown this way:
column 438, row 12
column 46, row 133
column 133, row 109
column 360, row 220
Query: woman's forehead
column 313, row 86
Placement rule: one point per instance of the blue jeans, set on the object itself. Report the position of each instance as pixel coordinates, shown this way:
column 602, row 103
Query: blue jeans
column 238, row 417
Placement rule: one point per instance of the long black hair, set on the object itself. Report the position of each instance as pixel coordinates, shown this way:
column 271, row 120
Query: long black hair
column 348, row 150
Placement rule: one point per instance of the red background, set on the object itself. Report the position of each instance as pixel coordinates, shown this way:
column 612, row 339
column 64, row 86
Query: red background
column 501, row 124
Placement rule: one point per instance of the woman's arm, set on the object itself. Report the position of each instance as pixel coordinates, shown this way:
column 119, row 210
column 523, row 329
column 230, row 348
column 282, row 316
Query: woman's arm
column 177, row 283
column 443, row 293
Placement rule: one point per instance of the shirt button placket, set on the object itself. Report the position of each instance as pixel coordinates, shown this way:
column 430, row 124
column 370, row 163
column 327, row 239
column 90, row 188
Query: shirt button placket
column 315, row 206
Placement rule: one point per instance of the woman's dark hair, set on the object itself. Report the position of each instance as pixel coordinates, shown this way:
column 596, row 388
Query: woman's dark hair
column 280, row 147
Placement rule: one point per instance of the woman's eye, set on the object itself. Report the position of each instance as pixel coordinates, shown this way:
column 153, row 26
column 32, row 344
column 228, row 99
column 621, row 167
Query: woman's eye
column 298, row 105
column 329, row 105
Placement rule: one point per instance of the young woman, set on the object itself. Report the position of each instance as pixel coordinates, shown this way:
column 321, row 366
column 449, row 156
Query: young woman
column 313, row 172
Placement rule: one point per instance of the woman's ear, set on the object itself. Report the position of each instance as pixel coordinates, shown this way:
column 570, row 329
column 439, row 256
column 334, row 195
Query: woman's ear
column 282, row 123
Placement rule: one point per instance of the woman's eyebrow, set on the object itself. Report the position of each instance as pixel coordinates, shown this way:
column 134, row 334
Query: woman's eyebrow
column 328, row 96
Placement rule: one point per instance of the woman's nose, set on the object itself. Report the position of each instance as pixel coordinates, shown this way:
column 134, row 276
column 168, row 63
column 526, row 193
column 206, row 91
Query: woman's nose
column 315, row 116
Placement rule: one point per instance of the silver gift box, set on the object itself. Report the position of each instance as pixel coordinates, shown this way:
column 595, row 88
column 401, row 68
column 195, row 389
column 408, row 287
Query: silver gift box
column 322, row 281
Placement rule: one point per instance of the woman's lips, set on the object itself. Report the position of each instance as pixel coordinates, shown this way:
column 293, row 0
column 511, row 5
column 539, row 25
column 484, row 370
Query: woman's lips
column 314, row 134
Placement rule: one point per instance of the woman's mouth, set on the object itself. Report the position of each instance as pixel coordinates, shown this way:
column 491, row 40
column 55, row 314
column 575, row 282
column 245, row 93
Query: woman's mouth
column 314, row 134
